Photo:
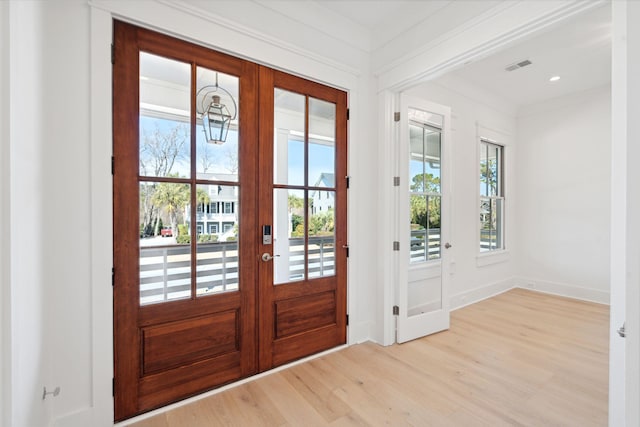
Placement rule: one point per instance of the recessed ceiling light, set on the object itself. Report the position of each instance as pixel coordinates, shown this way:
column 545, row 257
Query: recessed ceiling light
column 554, row 79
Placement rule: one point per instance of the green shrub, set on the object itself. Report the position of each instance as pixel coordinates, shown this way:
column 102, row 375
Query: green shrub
column 207, row 238
column 183, row 239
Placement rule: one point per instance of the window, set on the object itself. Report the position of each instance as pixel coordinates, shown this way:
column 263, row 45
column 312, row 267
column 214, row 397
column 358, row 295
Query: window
column 491, row 196
column 213, row 208
column 226, row 226
column 213, row 228
column 228, row 207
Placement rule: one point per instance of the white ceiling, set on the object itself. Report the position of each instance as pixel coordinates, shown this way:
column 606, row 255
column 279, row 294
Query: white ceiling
column 369, row 13
column 579, row 51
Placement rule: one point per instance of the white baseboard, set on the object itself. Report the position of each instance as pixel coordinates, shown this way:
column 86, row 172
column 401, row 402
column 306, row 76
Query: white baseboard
column 478, row 294
column 563, row 289
column 359, row 332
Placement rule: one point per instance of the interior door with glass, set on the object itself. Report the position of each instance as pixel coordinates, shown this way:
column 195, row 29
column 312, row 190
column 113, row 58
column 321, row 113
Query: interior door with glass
column 303, row 214
column 424, row 218
column 185, row 279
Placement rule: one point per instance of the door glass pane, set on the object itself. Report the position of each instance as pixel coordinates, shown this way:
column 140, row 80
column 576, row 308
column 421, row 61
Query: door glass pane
column 434, row 208
column 432, row 159
column 165, row 115
column 217, row 148
column 321, row 246
column 217, row 246
column 416, row 158
column 322, row 126
column 418, row 241
column 165, row 257
column 425, row 142
column 288, row 235
column 289, row 136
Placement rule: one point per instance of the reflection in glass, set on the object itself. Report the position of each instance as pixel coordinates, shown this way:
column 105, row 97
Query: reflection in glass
column 165, row 259
column 288, row 235
column 165, row 111
column 491, row 212
column 322, row 125
column 218, row 161
column 288, row 144
column 424, row 186
column 321, row 229
column 217, row 227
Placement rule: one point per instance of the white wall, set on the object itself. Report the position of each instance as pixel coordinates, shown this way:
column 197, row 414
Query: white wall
column 475, row 276
column 624, row 362
column 5, row 229
column 49, row 216
column 564, row 175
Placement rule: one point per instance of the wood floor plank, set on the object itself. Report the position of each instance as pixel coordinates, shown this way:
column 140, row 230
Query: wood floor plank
column 521, row 358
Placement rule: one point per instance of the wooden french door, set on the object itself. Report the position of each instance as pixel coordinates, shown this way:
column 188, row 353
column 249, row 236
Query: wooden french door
column 195, row 305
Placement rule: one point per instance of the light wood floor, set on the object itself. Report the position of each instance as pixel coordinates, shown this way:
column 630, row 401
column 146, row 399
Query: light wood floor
column 518, row 359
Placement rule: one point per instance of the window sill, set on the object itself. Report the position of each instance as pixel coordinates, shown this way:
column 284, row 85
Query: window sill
column 490, row 258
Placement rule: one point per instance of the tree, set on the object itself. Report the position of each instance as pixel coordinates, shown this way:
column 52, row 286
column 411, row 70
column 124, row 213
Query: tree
column 322, row 224
column 160, row 149
column 423, row 216
column 171, row 198
column 296, row 204
column 489, row 175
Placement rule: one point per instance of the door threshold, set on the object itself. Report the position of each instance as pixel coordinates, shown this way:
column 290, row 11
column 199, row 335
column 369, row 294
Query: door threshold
column 226, row 387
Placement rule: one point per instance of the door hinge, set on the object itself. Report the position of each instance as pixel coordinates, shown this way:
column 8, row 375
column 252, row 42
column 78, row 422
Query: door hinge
column 396, row 246
column 348, row 113
column 113, row 276
column 396, row 116
column 396, row 310
column 113, row 165
column 113, row 54
column 621, row 330
column 346, row 248
column 396, row 181
column 347, row 320
column 348, row 178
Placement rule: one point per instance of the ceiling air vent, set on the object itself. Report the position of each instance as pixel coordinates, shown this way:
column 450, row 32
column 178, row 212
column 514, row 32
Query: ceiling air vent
column 517, row 65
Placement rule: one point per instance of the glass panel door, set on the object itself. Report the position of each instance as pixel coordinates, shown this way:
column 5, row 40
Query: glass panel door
column 303, row 169
column 423, row 147
column 184, row 216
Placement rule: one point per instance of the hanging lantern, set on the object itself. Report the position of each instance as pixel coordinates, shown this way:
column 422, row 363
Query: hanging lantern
column 215, row 114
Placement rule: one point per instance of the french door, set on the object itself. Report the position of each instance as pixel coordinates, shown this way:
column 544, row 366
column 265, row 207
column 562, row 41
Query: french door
column 424, row 210
column 229, row 219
